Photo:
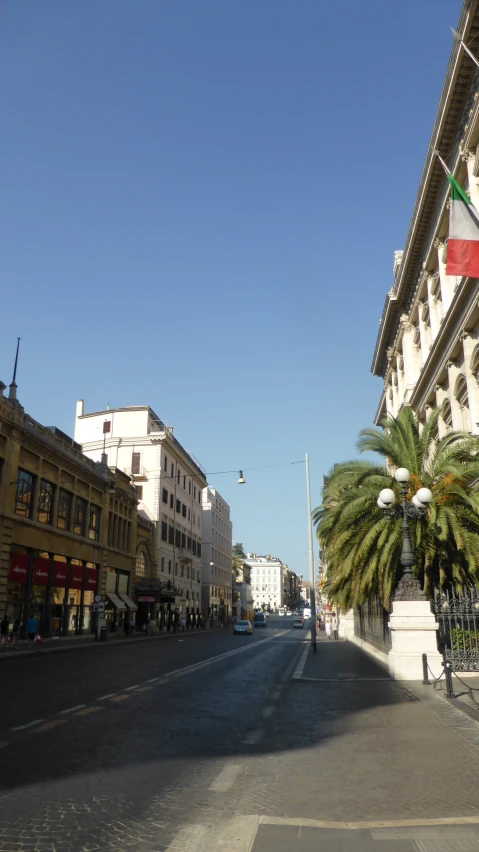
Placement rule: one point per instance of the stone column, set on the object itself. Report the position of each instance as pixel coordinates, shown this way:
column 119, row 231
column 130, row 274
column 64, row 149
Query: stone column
column 346, row 624
column 410, row 356
column 413, row 633
column 440, row 395
column 457, row 419
column 424, row 336
column 401, row 376
column 469, row 343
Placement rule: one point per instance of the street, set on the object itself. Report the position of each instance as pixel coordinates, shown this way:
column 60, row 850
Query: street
column 209, row 741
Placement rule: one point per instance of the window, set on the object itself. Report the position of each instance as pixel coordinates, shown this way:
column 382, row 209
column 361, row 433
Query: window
column 64, row 517
column 183, row 510
column 172, row 470
column 169, row 566
column 171, row 501
column 188, row 543
column 164, row 531
column 198, row 547
column 192, row 573
column 184, row 482
column 140, row 567
column 139, row 492
column 188, row 572
column 447, row 413
column 182, row 571
column 94, row 525
column 189, row 487
column 194, row 547
column 164, row 495
column 178, row 476
column 194, row 519
column 194, row 492
column 165, row 464
column 162, row 564
column 135, row 463
column 189, row 514
column 171, row 535
column 45, row 502
column 177, row 538
column 79, row 522
column 199, row 496
column 24, row 495
column 183, row 540
column 178, row 507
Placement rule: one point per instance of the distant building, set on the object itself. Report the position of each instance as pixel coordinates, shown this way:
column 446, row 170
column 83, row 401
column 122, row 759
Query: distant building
column 169, row 482
column 217, row 590
column 243, row 603
column 267, row 581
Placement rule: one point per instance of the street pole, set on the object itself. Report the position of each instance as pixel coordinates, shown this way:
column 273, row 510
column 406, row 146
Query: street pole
column 311, row 560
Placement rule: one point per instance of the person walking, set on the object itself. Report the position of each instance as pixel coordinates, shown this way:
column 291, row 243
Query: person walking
column 32, row 627
column 132, row 625
column 183, row 623
column 16, row 632
column 327, row 627
column 335, row 627
column 4, row 629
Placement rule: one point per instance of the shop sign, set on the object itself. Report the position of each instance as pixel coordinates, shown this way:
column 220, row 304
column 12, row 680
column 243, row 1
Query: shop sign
column 146, row 599
column 41, row 571
column 19, row 567
column 76, row 577
column 60, row 574
column 91, row 579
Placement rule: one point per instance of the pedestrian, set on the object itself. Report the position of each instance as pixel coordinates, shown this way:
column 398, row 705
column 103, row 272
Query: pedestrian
column 15, row 632
column 132, row 625
column 4, row 629
column 32, row 627
column 126, row 626
column 335, row 627
column 327, row 627
column 183, row 623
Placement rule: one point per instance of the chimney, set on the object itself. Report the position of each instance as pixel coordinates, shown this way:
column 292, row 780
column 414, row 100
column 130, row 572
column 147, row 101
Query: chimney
column 2, row 388
column 79, row 408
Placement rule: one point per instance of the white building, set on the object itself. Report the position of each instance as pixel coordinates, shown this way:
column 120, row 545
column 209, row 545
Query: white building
column 267, row 581
column 243, row 603
column 169, row 484
column 427, row 349
column 217, row 585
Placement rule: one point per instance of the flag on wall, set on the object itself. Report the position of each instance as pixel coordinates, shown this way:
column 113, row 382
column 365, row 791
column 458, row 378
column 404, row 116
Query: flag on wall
column 463, row 244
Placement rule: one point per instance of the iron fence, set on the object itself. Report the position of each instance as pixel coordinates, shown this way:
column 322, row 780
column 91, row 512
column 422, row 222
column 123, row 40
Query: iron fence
column 371, row 624
column 458, row 619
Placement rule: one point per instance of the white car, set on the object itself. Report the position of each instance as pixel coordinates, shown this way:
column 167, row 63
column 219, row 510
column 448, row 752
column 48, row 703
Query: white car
column 243, row 627
column 289, row 612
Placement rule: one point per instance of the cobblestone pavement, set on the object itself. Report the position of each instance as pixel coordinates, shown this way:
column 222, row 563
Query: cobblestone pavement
column 208, row 756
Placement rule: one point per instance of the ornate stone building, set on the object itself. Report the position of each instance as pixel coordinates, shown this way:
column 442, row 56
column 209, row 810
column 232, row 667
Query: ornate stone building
column 427, row 349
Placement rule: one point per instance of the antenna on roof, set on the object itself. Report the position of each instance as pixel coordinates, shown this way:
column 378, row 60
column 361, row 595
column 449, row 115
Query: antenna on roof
column 13, row 387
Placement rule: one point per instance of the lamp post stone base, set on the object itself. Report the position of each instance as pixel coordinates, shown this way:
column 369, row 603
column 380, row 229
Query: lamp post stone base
column 413, row 633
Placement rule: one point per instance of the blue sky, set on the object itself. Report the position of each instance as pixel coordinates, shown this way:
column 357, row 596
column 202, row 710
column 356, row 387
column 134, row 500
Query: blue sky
column 200, row 203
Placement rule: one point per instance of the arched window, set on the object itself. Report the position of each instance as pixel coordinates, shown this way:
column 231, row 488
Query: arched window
column 474, row 364
column 460, row 391
column 447, row 414
column 140, row 567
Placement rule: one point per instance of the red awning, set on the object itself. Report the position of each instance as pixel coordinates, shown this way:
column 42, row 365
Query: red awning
column 41, row 571
column 91, row 582
column 19, row 563
column 60, row 570
column 76, row 577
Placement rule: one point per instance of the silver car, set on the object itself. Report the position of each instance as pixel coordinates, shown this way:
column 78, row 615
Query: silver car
column 243, row 627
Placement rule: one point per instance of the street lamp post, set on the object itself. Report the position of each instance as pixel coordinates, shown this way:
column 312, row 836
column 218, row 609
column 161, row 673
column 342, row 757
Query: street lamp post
column 408, row 587
column 312, row 596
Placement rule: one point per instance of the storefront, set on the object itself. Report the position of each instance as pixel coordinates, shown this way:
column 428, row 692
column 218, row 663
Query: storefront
column 58, row 591
column 119, row 607
column 156, row 602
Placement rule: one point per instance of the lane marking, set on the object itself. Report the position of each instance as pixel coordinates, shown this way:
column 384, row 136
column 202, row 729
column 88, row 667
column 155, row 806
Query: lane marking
column 71, row 709
column 254, row 737
column 302, row 662
column 209, row 660
column 152, row 680
column 47, row 726
column 87, row 711
column 104, row 697
column 226, row 778
column 356, row 824
column 191, row 838
column 145, row 688
column 266, row 711
column 120, row 697
column 130, row 688
column 339, row 680
column 28, row 725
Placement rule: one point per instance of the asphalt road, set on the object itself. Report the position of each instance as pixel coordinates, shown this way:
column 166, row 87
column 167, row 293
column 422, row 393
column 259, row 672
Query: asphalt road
column 209, row 742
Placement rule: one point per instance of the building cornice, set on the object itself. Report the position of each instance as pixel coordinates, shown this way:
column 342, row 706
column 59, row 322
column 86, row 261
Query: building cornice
column 453, row 100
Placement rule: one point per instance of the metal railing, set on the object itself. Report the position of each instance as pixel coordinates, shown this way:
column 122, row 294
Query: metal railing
column 458, row 619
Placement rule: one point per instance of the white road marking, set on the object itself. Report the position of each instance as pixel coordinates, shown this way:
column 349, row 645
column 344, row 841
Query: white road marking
column 298, row 672
column 209, row 660
column 28, row 725
column 104, row 697
column 226, row 778
column 71, row 709
column 190, row 838
column 129, row 688
column 266, row 711
column 254, row 737
column 151, row 680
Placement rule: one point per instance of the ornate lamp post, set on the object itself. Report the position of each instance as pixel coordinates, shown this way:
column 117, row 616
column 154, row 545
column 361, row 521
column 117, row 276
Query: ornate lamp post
column 408, row 588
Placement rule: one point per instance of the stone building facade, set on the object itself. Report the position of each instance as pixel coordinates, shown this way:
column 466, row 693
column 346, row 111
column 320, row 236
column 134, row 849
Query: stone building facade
column 427, row 349
column 217, row 555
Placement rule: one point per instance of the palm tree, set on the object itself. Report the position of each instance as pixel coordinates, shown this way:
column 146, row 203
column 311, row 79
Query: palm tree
column 362, row 547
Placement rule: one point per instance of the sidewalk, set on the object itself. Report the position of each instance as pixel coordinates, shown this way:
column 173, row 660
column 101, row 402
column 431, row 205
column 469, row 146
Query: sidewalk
column 366, row 763
column 87, row 640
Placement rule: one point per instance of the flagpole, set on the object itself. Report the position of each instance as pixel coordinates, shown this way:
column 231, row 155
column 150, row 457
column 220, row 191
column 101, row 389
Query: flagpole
column 459, row 39
column 437, row 154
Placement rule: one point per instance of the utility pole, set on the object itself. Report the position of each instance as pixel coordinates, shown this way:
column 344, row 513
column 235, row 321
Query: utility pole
column 312, row 596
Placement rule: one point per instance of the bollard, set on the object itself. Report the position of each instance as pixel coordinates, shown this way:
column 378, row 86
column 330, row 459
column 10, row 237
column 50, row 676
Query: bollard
column 425, row 678
column 448, row 674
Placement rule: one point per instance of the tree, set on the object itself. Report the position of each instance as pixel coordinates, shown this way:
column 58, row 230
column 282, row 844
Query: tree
column 238, row 556
column 362, row 546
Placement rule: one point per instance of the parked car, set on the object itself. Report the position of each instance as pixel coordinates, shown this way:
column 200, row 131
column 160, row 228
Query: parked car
column 298, row 622
column 259, row 619
column 289, row 612
column 243, row 627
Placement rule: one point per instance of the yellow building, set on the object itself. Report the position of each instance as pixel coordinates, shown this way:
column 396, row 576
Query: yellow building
column 68, row 530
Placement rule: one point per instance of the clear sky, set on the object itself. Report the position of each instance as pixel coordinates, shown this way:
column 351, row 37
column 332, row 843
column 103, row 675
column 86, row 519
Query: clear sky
column 200, row 200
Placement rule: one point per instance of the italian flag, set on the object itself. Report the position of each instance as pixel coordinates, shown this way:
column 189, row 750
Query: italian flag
column 463, row 244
